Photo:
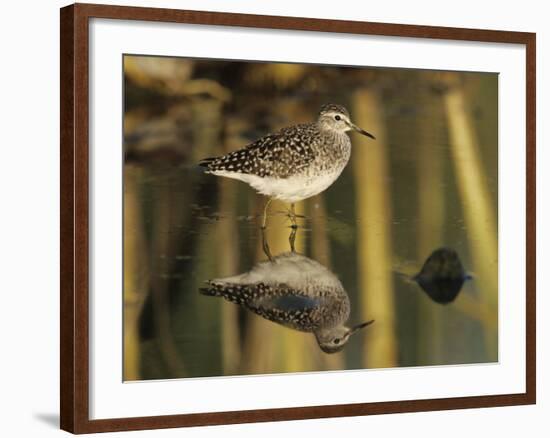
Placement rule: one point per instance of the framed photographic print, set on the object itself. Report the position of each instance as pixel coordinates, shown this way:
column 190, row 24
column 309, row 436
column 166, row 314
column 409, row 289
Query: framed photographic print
column 258, row 206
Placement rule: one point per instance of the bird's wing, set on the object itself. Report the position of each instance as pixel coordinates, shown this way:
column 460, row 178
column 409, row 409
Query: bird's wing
column 291, row 309
column 289, row 302
column 281, row 154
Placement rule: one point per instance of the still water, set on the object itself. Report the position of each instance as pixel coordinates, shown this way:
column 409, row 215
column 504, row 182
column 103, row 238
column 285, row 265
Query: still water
column 393, row 265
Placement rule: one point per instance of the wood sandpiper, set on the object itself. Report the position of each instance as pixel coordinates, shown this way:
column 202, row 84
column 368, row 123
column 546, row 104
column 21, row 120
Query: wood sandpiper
column 294, row 163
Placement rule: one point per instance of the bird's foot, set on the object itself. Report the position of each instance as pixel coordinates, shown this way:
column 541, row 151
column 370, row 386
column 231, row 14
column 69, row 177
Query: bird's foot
column 291, row 214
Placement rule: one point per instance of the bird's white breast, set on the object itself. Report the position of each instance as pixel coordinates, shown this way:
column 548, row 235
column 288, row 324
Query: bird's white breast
column 292, row 189
column 292, row 269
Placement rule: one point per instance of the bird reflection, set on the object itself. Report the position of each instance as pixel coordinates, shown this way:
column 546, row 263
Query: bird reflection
column 295, row 291
column 442, row 275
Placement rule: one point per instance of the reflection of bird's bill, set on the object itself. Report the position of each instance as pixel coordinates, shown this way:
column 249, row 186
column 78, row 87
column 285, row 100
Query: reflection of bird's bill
column 360, row 326
column 360, row 131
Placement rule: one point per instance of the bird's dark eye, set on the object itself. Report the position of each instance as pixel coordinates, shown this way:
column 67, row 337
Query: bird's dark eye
column 337, row 117
column 337, row 341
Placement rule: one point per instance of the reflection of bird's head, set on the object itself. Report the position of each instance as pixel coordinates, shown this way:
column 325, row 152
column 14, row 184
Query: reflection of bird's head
column 334, row 339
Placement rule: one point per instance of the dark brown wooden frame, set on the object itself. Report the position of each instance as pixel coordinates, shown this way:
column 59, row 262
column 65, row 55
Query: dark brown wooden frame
column 74, row 217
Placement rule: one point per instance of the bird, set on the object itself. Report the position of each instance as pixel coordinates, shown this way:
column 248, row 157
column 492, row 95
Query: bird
column 295, row 291
column 293, row 163
column 442, row 276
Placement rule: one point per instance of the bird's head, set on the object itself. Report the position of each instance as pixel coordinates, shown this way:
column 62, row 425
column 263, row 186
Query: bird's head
column 336, row 118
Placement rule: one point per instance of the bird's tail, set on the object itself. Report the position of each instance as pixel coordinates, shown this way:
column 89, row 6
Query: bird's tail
column 235, row 293
column 231, row 162
column 206, row 162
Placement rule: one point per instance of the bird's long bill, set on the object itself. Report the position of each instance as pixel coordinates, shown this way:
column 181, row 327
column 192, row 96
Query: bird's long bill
column 361, row 131
column 360, row 326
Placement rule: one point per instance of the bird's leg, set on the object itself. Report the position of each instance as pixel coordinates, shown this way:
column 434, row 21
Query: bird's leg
column 265, row 246
column 292, row 216
column 292, row 239
column 264, row 222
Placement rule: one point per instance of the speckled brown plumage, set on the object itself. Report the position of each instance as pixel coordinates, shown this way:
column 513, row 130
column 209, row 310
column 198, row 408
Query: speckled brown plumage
column 294, row 163
column 298, row 309
column 294, row 291
column 281, row 154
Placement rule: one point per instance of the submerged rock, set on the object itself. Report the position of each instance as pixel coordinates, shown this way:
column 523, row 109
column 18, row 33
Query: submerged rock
column 442, row 276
